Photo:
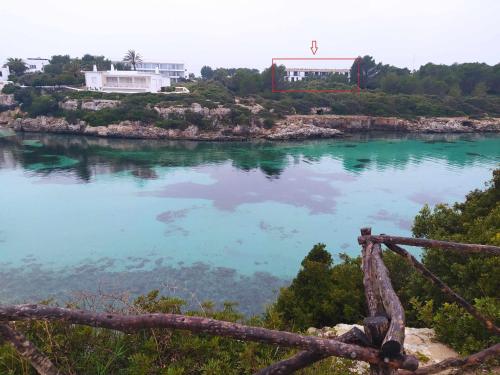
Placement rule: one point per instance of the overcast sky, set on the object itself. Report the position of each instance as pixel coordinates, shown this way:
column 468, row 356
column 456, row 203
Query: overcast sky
column 248, row 33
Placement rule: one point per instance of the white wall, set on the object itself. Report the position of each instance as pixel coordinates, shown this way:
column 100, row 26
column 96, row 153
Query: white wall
column 4, row 74
column 93, row 80
column 35, row 65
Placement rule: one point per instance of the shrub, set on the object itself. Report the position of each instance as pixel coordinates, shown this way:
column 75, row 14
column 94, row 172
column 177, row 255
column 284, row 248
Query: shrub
column 322, row 294
column 42, row 105
column 172, row 123
column 9, row 89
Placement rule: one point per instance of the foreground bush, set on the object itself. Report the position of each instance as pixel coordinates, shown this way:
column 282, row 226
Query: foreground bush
column 85, row 350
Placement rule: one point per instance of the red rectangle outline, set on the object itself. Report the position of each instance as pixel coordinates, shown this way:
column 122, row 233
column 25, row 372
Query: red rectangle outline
column 273, row 82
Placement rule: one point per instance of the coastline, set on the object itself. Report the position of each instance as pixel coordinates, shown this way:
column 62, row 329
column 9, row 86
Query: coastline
column 293, row 127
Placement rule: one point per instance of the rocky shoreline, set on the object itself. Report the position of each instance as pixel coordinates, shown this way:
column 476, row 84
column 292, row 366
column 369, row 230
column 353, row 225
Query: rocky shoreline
column 295, row 127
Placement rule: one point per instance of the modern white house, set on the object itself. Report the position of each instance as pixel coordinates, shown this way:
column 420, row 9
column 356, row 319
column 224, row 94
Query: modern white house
column 298, row 74
column 174, row 71
column 35, row 64
column 125, row 81
column 4, row 74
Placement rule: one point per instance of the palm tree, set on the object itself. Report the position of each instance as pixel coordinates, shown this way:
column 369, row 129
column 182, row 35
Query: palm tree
column 74, row 68
column 132, row 58
column 16, row 65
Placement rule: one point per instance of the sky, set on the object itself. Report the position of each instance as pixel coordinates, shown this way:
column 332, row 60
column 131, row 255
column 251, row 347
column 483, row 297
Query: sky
column 249, row 33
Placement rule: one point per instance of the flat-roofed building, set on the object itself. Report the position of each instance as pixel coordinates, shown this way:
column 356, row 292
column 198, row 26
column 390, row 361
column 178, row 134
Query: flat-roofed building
column 4, row 73
column 35, row 64
column 172, row 70
column 125, row 81
column 298, row 74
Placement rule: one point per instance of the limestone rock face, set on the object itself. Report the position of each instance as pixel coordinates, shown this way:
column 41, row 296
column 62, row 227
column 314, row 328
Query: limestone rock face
column 88, row 104
column 418, row 125
column 7, row 99
column 69, row 105
column 218, row 112
column 7, row 117
column 420, row 342
column 290, row 128
column 98, row 104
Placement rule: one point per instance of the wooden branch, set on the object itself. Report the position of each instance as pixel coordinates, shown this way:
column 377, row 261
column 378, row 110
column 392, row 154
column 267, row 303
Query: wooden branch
column 307, row 358
column 28, row 351
column 394, row 339
column 376, row 328
column 130, row 323
column 423, row 242
column 424, row 271
column 471, row 360
column 373, row 301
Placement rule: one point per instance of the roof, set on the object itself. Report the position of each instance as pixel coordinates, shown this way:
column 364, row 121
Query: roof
column 124, row 73
column 324, row 70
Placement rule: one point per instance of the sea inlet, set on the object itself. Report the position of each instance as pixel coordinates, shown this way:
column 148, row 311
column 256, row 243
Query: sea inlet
column 210, row 221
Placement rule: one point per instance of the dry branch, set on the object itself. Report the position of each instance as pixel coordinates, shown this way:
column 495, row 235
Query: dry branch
column 130, row 323
column 375, row 329
column 422, row 242
column 471, row 360
column 444, row 288
column 307, row 358
column 373, row 301
column 28, row 351
column 394, row 339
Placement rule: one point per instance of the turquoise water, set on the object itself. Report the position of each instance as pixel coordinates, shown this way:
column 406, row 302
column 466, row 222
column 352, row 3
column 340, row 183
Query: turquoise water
column 220, row 221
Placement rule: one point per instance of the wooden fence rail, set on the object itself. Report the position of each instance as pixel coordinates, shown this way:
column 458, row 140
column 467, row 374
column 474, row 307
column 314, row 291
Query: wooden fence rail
column 381, row 344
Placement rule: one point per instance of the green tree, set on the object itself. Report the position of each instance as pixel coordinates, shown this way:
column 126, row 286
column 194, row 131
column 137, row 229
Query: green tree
column 390, row 83
column 207, row 72
column 477, row 220
column 480, row 89
column 322, row 294
column 88, row 61
column 42, row 105
column 16, row 65
column 132, row 58
column 368, row 70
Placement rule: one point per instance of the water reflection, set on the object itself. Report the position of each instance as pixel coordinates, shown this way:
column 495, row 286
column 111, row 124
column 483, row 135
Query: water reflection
column 88, row 156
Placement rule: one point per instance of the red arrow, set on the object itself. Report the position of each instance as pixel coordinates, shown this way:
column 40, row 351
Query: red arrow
column 314, row 47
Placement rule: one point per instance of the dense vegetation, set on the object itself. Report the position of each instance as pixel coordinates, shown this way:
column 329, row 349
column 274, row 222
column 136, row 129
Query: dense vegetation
column 471, row 89
column 89, row 351
column 322, row 294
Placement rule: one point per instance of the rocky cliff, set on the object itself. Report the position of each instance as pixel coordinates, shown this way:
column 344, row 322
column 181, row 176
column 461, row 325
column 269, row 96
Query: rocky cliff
column 418, row 125
column 292, row 127
column 136, row 129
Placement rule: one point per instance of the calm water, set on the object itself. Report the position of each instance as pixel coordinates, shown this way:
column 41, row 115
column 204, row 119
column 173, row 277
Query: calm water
column 220, row 221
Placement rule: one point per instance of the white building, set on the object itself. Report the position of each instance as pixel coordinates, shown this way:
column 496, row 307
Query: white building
column 35, row 64
column 125, row 81
column 4, row 74
column 174, row 71
column 298, row 74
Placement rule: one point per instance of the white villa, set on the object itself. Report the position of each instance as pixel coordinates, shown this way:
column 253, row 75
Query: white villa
column 174, row 71
column 4, row 74
column 125, row 81
column 35, row 64
column 298, row 74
